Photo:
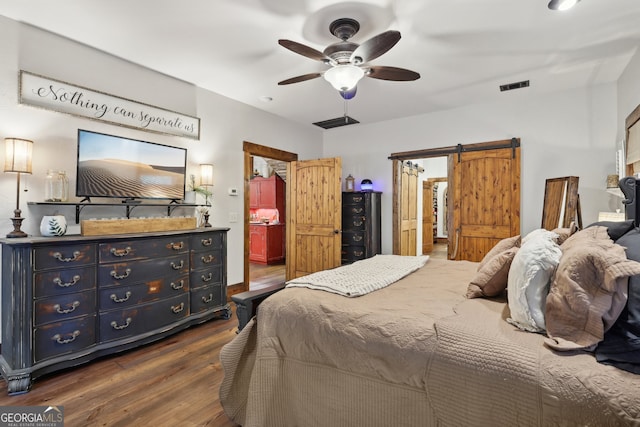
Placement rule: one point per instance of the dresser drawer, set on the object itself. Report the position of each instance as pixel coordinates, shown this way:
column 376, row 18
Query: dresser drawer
column 206, row 298
column 56, row 282
column 141, row 249
column 353, row 253
column 143, row 318
column 153, row 290
column 353, row 238
column 349, row 199
column 206, row 241
column 206, row 259
column 64, row 307
column 353, row 222
column 129, row 273
column 205, row 277
column 65, row 337
column 63, row 256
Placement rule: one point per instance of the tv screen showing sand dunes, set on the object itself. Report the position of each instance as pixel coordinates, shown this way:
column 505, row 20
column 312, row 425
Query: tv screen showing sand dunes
column 112, row 166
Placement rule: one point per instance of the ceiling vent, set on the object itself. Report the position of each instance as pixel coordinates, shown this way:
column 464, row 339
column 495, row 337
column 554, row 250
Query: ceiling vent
column 337, row 122
column 512, row 86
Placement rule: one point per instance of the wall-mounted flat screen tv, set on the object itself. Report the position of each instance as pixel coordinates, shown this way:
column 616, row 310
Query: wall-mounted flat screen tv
column 113, row 166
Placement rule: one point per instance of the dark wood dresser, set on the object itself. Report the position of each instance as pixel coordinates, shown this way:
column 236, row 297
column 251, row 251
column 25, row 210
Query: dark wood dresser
column 361, row 225
column 68, row 300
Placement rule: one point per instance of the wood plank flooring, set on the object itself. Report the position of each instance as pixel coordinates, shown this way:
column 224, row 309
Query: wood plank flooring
column 263, row 276
column 173, row 382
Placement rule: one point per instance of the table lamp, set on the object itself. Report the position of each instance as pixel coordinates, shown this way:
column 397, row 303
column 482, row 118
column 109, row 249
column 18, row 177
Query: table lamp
column 17, row 159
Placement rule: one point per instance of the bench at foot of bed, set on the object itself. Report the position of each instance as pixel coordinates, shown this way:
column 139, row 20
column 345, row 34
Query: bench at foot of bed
column 247, row 302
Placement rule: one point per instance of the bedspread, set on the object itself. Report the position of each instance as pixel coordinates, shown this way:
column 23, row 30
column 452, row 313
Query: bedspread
column 415, row 353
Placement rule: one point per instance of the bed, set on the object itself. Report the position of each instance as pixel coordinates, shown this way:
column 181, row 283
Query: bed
column 419, row 352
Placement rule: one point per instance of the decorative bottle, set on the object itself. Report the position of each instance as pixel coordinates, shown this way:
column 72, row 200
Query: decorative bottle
column 50, row 184
column 63, row 186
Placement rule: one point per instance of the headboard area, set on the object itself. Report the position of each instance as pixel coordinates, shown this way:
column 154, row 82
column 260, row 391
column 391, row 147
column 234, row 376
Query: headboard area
column 630, row 187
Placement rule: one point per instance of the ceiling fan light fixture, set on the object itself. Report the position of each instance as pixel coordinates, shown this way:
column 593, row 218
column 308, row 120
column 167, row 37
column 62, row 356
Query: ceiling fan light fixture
column 562, row 4
column 344, row 77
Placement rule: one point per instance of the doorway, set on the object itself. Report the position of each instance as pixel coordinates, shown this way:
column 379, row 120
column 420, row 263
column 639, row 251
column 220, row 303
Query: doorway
column 483, row 196
column 258, row 275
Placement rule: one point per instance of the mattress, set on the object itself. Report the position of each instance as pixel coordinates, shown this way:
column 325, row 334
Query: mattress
column 414, row 353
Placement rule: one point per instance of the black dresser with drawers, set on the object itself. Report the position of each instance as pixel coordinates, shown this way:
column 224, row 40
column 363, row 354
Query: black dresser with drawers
column 361, row 225
column 68, row 300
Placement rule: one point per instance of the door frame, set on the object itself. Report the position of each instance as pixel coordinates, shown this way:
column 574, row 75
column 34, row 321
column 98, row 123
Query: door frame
column 250, row 149
column 449, row 152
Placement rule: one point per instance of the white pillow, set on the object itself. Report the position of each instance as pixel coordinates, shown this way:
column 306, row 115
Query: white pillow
column 530, row 275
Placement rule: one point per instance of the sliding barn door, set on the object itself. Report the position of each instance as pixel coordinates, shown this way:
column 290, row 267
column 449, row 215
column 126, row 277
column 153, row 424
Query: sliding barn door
column 486, row 200
column 427, row 217
column 314, row 216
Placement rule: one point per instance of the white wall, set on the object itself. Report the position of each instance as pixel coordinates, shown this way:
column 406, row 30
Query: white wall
column 225, row 124
column 562, row 134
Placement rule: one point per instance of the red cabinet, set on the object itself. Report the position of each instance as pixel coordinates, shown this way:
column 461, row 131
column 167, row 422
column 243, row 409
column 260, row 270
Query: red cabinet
column 266, row 243
column 268, row 193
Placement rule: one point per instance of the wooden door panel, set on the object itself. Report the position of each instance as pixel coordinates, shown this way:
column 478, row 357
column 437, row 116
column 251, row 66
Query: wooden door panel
column 486, row 206
column 409, row 209
column 314, row 217
column 427, row 217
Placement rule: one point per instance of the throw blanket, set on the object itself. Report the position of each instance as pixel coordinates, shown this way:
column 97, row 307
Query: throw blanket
column 361, row 277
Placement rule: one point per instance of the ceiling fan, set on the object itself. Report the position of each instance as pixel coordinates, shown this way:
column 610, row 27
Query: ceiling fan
column 348, row 60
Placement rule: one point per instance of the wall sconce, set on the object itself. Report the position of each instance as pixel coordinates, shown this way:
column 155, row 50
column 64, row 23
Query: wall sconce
column 18, row 153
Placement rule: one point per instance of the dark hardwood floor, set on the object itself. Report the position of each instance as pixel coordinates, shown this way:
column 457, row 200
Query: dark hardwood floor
column 173, row 382
column 263, row 276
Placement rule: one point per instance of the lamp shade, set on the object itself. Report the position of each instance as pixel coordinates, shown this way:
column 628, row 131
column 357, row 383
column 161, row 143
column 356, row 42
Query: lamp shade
column 344, row 77
column 562, row 4
column 18, row 154
column 206, row 174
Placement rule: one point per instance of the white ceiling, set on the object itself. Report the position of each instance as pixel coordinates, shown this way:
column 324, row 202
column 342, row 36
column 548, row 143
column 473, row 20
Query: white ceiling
column 463, row 49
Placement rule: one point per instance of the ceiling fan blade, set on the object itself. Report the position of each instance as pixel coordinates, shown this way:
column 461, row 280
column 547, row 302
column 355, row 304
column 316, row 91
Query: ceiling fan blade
column 392, row 73
column 304, row 50
column 374, row 47
column 301, row 78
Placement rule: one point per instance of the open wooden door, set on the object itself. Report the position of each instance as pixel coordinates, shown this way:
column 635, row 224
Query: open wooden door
column 314, row 218
column 427, row 217
column 406, row 198
column 485, row 203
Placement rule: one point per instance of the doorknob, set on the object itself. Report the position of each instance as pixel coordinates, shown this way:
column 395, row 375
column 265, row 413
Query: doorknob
column 336, row 231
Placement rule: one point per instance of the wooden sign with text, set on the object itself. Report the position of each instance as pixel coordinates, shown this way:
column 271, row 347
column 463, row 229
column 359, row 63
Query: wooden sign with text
column 55, row 95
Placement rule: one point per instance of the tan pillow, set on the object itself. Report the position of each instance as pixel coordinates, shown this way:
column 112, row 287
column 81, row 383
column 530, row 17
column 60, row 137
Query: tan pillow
column 565, row 233
column 493, row 270
column 500, row 247
column 589, row 290
column 491, row 278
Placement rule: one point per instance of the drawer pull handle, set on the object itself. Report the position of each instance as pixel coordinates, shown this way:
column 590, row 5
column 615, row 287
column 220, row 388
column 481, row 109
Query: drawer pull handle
column 58, row 338
column 58, row 281
column 358, row 253
column 208, row 260
column 207, row 242
column 117, row 276
column 207, row 300
column 177, row 308
column 120, row 252
column 178, row 285
column 71, row 308
column 58, row 256
column 357, row 238
column 357, row 199
column 117, row 327
column 207, row 278
column 357, row 223
column 357, row 210
column 177, row 266
column 115, row 298
column 177, row 246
